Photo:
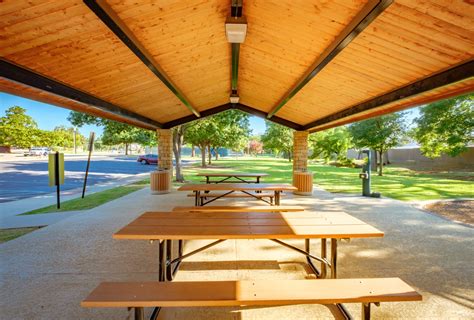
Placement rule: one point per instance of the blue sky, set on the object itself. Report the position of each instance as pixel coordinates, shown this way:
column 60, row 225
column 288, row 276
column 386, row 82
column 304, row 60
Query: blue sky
column 46, row 116
column 49, row 116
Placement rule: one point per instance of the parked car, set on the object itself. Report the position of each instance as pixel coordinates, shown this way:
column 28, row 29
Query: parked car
column 37, row 151
column 148, row 159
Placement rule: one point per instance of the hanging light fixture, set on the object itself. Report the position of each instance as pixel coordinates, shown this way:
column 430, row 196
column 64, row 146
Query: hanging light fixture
column 234, row 97
column 236, row 29
column 236, row 24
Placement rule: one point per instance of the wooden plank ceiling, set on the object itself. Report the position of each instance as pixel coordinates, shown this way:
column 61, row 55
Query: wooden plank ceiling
column 410, row 53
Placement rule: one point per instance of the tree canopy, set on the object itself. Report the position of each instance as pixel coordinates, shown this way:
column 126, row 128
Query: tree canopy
column 331, row 142
column 445, row 126
column 229, row 129
column 278, row 138
column 17, row 129
column 379, row 134
column 115, row 132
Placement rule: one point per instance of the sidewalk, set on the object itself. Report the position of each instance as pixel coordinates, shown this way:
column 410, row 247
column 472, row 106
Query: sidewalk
column 49, row 271
column 35, row 220
column 10, row 210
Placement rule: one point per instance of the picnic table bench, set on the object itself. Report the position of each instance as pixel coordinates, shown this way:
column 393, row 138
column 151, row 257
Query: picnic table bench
column 247, row 189
column 138, row 295
column 230, row 177
column 239, row 208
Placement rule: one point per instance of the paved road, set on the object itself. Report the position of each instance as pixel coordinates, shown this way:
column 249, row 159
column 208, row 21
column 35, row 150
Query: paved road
column 24, row 179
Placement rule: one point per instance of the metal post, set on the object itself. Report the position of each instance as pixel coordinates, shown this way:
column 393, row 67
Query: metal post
column 74, row 139
column 56, row 179
column 91, row 144
column 333, row 258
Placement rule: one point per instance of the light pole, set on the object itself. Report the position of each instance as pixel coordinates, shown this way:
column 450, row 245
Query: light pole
column 74, row 139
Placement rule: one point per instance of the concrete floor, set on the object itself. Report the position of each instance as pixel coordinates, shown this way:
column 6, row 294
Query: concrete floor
column 45, row 274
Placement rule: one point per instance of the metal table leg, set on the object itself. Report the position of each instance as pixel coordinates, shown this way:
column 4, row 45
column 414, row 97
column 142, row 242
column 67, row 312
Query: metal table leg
column 319, row 273
column 161, row 260
column 333, row 258
column 196, row 198
column 342, row 310
column 365, row 311
column 277, row 197
column 139, row 313
column 172, row 269
column 161, row 277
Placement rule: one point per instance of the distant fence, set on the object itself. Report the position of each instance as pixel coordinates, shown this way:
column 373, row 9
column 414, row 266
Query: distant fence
column 412, row 157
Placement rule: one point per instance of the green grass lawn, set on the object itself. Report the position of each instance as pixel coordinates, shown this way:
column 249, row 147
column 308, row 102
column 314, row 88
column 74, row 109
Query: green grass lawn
column 397, row 183
column 93, row 200
column 10, row 234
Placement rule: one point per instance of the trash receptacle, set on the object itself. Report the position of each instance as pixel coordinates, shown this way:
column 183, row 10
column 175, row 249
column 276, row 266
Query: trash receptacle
column 160, row 181
column 303, row 180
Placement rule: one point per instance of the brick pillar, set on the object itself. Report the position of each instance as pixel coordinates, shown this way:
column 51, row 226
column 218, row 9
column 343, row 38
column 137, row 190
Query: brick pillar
column 165, row 150
column 300, row 150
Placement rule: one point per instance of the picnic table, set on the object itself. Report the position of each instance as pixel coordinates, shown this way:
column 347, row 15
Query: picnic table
column 229, row 188
column 177, row 225
column 221, row 226
column 226, row 177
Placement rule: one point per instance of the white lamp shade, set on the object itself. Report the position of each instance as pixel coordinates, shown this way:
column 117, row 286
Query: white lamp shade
column 236, row 30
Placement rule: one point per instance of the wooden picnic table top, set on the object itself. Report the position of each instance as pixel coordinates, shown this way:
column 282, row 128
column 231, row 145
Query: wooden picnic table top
column 237, row 187
column 232, row 174
column 246, row 225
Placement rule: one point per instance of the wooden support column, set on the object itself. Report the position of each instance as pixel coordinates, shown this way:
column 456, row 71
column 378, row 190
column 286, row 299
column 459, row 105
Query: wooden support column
column 302, row 179
column 165, row 150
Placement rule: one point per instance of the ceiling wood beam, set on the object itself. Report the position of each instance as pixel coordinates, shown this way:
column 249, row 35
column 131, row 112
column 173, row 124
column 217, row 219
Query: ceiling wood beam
column 229, row 106
column 368, row 14
column 205, row 113
column 105, row 13
column 262, row 114
column 457, row 74
column 13, row 72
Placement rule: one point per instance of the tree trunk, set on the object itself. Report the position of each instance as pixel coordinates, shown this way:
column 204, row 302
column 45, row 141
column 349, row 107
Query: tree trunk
column 289, row 156
column 209, row 154
column 126, row 149
column 203, row 156
column 217, row 153
column 375, row 162
column 193, row 151
column 386, row 157
column 178, row 135
column 381, row 163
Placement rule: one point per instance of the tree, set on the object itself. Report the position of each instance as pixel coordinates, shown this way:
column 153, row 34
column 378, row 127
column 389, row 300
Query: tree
column 121, row 133
column 231, row 130
column 63, row 136
column 178, row 138
column 255, row 146
column 115, row 132
column 331, row 142
column 228, row 129
column 278, row 138
column 445, row 126
column 17, row 129
column 199, row 133
column 379, row 134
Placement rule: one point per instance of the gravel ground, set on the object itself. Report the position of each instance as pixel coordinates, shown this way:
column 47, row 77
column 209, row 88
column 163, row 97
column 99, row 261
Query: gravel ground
column 459, row 210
